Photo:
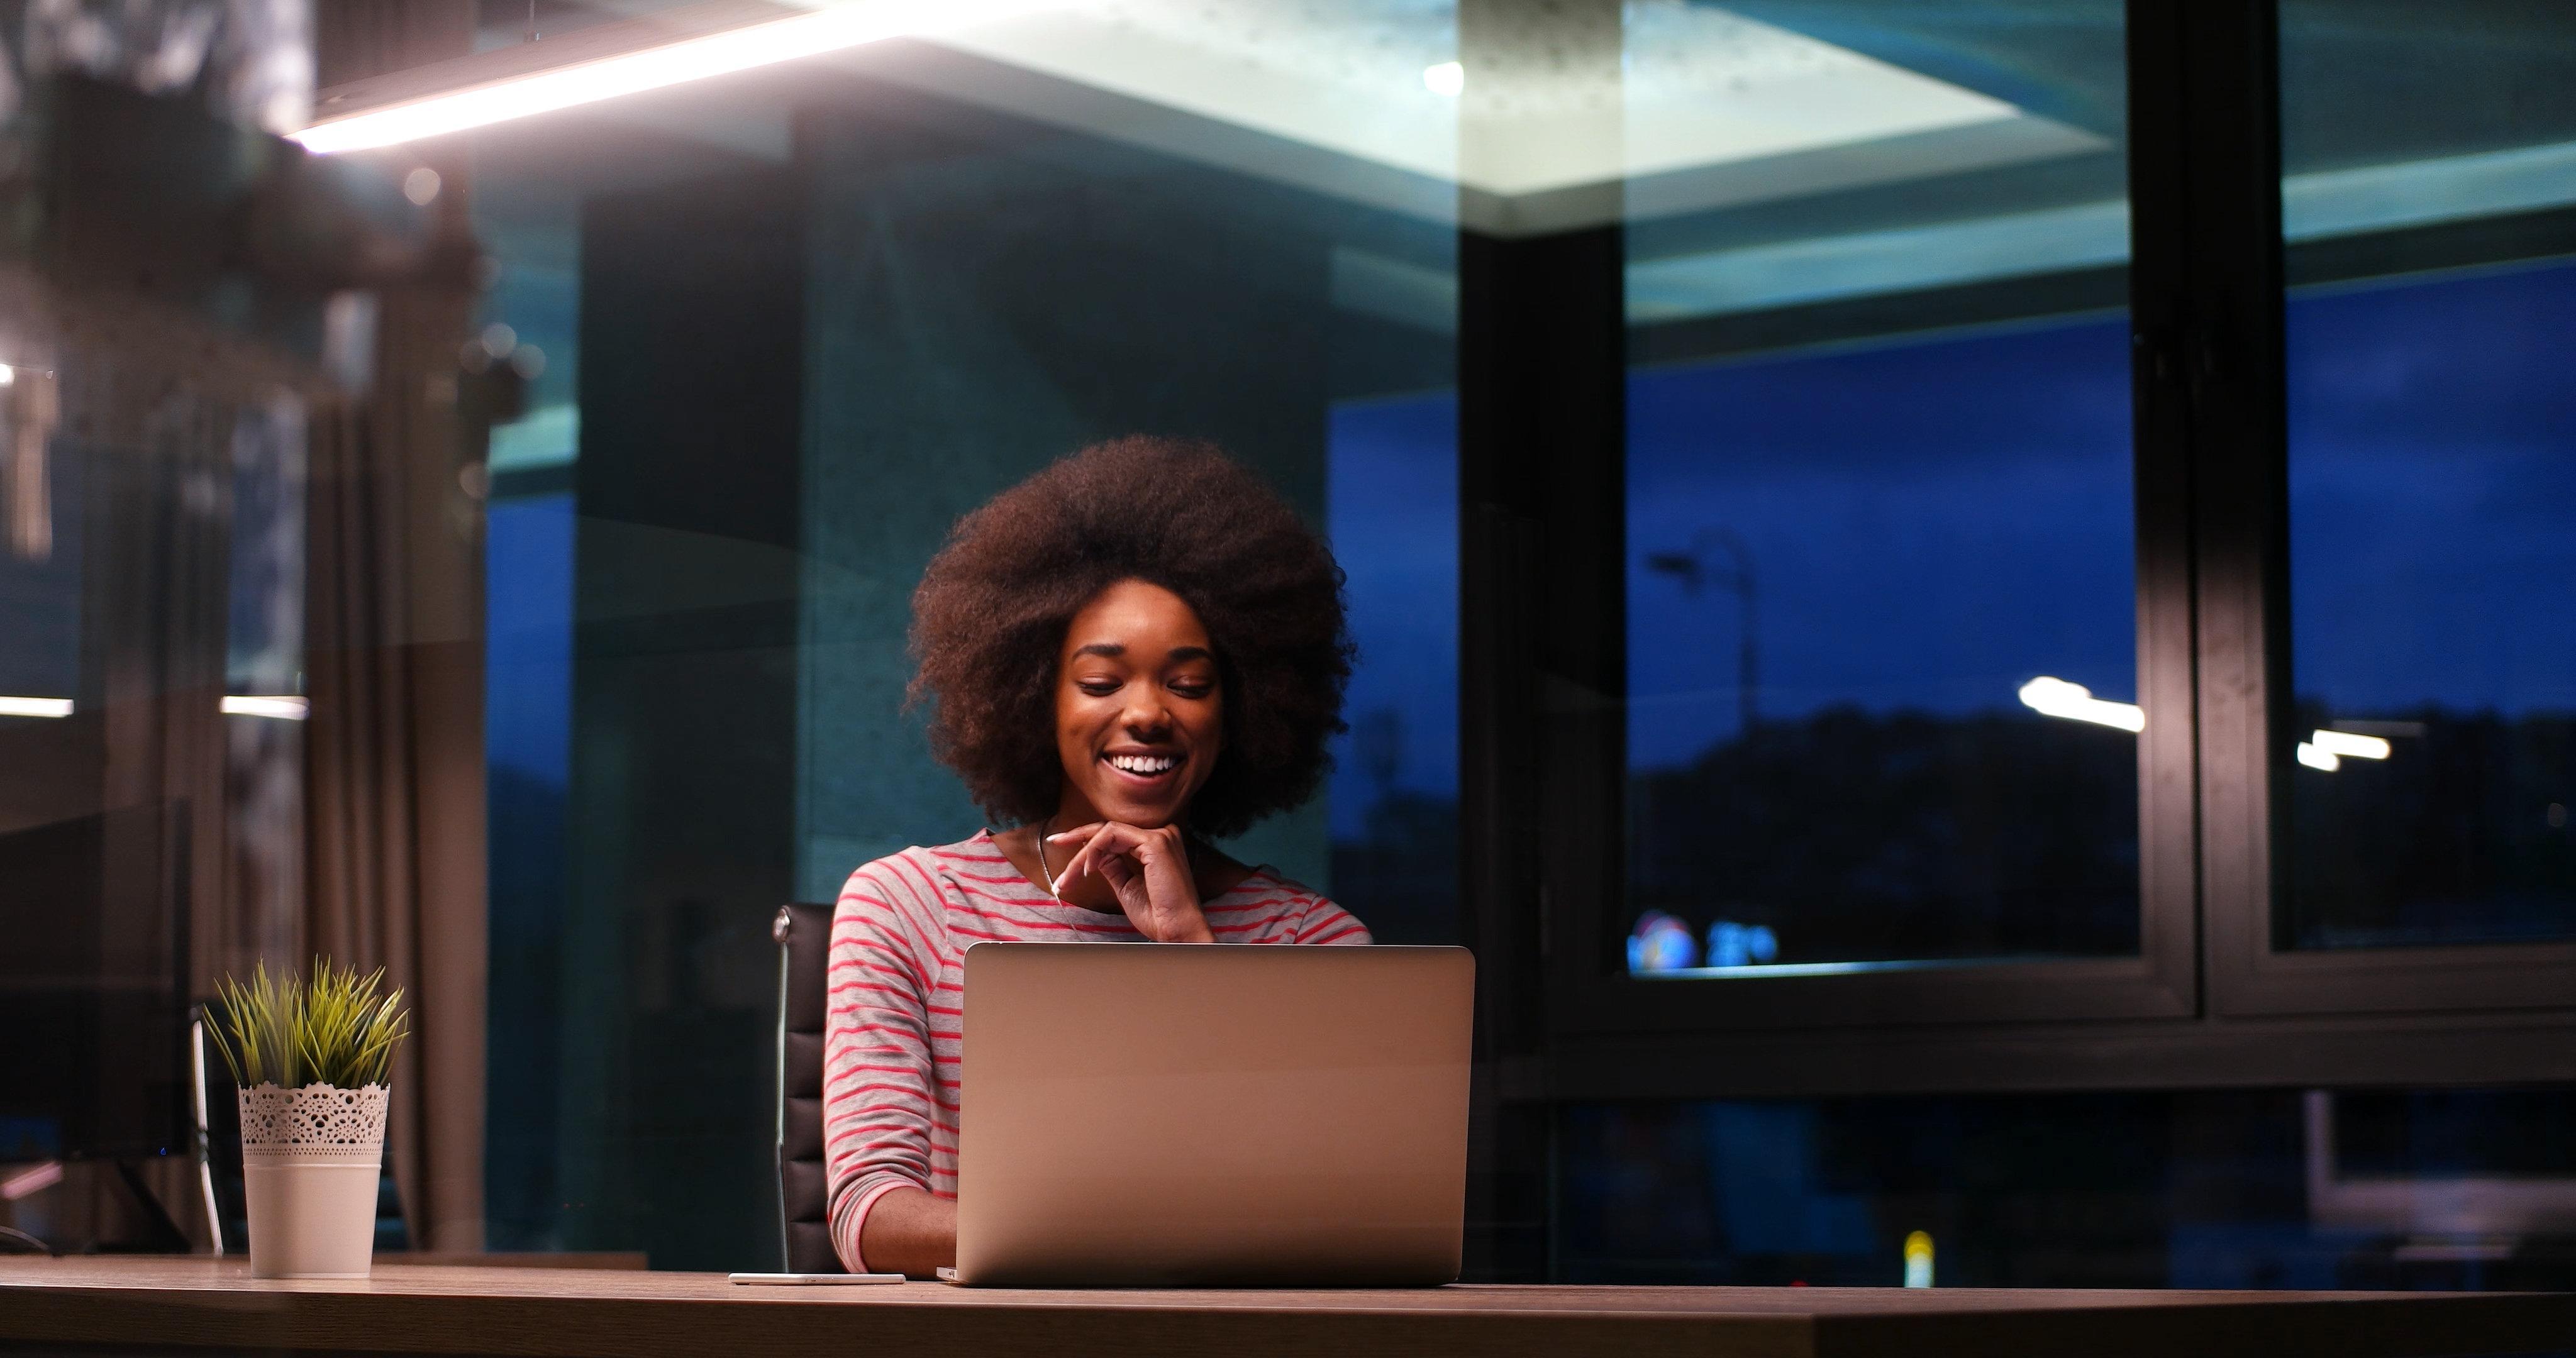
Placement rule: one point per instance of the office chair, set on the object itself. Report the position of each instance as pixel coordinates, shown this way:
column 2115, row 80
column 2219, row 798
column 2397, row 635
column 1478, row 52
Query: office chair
column 804, row 934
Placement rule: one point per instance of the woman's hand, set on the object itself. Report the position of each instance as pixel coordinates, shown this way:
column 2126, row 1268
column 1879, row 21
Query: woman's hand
column 1149, row 872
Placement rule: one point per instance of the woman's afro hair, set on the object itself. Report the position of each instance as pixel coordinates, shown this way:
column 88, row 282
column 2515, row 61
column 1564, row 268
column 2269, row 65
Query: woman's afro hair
column 992, row 609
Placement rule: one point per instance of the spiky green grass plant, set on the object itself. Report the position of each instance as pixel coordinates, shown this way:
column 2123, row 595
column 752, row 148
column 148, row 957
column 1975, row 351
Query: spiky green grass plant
column 334, row 1028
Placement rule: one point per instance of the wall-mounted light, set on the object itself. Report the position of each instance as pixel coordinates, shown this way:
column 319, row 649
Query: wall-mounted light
column 1449, row 79
column 721, row 53
column 2058, row 698
column 283, row 709
column 35, row 707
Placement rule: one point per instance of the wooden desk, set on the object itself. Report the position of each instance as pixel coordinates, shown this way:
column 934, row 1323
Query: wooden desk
column 630, row 1260
column 162, row 1305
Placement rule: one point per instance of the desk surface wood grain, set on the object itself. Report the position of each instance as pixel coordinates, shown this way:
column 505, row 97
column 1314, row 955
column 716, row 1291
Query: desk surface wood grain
column 210, row 1304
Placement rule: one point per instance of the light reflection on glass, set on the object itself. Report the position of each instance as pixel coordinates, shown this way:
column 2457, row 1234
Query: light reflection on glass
column 1661, row 943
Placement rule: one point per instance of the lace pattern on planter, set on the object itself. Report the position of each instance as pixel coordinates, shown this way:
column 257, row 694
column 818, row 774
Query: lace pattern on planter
column 318, row 1124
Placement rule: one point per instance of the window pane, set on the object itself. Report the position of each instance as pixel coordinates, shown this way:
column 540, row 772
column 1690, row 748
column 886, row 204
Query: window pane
column 1392, row 510
column 2432, row 756
column 1881, row 613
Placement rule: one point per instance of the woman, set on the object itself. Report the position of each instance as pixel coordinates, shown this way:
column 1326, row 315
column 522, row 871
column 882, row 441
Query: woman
column 1133, row 651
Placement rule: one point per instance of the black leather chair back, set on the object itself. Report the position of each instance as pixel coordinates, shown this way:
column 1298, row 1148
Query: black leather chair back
column 804, row 934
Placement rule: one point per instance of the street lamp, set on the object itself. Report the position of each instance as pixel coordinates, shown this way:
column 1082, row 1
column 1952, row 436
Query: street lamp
column 1694, row 569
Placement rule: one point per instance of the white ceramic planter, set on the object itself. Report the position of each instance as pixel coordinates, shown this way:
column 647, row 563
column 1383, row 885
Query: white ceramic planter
column 310, row 1161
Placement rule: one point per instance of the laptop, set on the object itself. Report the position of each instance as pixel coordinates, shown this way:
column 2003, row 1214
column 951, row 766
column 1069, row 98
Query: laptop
column 1227, row 1115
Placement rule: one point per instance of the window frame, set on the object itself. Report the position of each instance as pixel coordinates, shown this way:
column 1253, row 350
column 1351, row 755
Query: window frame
column 2207, row 1001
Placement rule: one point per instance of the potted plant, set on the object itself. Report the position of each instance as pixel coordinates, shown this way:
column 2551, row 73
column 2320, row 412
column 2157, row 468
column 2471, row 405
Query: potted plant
column 308, row 1057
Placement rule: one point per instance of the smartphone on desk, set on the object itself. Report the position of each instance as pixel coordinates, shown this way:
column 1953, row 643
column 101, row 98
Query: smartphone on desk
column 814, row 1279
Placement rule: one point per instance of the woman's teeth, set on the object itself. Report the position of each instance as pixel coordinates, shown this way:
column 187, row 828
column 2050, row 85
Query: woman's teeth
column 1144, row 765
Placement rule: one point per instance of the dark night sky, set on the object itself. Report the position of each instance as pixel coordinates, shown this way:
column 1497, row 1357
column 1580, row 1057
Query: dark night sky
column 2433, row 493
column 1937, row 521
column 1931, row 524
column 1392, row 508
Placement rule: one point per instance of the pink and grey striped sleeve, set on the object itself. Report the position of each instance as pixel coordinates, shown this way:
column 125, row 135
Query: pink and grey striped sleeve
column 879, row 1081
column 1324, row 922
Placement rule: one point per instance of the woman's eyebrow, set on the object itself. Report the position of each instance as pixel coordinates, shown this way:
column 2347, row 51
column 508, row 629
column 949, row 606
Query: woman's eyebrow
column 1108, row 648
column 1181, row 653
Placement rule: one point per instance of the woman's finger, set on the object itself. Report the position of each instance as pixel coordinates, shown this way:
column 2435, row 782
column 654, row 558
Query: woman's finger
column 1117, row 870
column 1105, row 839
column 1073, row 865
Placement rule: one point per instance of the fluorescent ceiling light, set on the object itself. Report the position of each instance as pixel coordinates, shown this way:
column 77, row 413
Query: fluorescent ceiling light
column 2324, row 761
column 734, row 49
column 2058, row 698
column 35, row 707
column 2350, row 746
column 284, row 709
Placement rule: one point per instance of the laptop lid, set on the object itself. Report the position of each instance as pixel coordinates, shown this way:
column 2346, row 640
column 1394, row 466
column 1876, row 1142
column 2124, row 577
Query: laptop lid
column 1213, row 1115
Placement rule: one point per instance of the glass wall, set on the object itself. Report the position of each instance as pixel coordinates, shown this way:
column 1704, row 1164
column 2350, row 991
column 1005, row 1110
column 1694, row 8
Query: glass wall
column 1881, row 595
column 2432, row 473
column 778, row 332
column 1882, row 694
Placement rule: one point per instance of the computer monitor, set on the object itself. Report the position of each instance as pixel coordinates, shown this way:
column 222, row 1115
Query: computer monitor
column 93, row 987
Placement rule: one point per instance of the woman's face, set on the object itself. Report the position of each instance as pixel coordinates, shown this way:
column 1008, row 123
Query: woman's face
column 1138, row 714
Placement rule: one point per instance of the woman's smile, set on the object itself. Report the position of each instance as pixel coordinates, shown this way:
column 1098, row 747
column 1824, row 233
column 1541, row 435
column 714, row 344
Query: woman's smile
column 1146, row 767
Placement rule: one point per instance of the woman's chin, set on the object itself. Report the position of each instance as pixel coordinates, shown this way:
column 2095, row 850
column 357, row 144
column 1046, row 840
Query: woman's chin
column 1144, row 816
column 1146, row 803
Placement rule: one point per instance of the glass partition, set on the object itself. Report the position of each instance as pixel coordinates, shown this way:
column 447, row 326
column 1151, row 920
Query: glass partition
column 2429, row 204
column 777, row 333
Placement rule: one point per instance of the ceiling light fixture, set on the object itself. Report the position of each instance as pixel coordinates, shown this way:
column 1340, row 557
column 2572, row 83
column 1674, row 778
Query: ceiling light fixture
column 2058, row 698
column 721, row 53
column 1448, row 78
column 2323, row 761
column 35, row 707
column 284, row 709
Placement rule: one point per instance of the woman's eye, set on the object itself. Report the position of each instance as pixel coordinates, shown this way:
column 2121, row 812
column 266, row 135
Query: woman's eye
column 1097, row 688
column 1192, row 688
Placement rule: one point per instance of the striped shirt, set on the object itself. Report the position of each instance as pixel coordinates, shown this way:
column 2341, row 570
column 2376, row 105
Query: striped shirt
column 893, row 1036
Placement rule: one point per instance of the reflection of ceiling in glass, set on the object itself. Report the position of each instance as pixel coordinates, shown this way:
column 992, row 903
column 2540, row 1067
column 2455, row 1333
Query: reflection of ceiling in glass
column 1767, row 153
column 1683, row 106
